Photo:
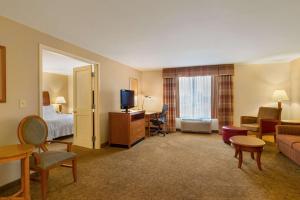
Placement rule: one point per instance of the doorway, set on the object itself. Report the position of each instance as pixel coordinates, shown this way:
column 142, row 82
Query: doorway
column 69, row 102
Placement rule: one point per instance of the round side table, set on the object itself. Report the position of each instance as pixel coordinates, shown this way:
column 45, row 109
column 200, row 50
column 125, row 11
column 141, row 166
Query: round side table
column 249, row 144
column 18, row 152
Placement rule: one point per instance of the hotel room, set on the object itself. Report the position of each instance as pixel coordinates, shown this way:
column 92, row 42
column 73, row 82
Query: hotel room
column 149, row 99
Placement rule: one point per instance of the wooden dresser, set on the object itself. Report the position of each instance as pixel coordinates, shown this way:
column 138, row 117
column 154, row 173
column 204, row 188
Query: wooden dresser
column 126, row 128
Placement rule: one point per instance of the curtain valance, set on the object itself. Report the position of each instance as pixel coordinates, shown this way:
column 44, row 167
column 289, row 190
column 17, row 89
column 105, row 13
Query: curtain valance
column 207, row 70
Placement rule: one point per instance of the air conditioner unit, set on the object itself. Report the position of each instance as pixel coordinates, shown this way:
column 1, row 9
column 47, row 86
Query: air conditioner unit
column 196, row 126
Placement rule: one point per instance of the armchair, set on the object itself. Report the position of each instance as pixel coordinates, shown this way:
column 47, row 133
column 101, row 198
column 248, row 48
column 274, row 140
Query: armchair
column 33, row 130
column 265, row 122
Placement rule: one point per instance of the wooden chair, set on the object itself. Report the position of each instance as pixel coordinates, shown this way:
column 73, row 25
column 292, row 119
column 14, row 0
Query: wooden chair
column 33, row 130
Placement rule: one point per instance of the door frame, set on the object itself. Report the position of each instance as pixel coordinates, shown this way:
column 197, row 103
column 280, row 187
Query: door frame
column 96, row 89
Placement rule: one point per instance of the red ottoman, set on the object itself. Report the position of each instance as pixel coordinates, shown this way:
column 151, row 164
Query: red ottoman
column 229, row 131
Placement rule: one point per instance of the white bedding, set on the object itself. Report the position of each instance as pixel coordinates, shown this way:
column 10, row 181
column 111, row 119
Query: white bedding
column 58, row 124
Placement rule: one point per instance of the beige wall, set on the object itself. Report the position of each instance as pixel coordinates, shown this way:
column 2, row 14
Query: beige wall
column 56, row 85
column 22, row 45
column 254, row 86
column 295, row 89
column 152, row 85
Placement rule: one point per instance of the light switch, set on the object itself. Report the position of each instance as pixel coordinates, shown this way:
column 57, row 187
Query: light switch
column 22, row 103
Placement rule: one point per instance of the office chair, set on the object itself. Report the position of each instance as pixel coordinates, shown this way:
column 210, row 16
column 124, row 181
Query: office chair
column 160, row 120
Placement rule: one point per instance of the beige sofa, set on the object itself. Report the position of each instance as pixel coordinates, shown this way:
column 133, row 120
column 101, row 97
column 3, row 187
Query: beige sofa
column 288, row 141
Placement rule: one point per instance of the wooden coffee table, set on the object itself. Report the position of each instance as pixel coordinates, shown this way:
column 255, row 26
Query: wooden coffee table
column 249, row 144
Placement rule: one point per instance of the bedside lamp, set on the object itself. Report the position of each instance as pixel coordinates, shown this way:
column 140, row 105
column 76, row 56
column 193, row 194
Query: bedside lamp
column 279, row 96
column 145, row 97
column 60, row 100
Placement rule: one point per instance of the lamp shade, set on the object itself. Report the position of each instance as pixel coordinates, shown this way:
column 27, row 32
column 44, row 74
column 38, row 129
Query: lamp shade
column 60, row 100
column 280, row 95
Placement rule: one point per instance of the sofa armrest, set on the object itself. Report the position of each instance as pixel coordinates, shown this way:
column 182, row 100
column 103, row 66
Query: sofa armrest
column 288, row 129
column 248, row 120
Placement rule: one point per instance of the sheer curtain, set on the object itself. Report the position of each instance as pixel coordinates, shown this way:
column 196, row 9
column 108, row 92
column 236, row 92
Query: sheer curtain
column 195, row 97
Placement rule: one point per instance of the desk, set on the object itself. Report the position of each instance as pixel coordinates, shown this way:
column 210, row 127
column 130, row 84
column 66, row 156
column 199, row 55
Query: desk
column 148, row 116
column 126, row 129
column 18, row 152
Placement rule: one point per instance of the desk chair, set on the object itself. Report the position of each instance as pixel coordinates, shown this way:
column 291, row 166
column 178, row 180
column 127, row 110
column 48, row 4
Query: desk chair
column 33, row 130
column 159, row 121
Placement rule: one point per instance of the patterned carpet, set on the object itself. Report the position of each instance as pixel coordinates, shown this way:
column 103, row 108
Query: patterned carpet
column 178, row 166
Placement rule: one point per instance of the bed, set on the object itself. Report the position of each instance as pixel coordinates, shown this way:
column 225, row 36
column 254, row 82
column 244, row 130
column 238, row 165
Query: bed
column 58, row 124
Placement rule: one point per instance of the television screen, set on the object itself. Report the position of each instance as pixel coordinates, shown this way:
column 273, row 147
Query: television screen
column 127, row 99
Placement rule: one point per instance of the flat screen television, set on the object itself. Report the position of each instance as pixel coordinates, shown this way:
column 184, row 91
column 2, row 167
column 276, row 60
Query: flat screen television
column 127, row 99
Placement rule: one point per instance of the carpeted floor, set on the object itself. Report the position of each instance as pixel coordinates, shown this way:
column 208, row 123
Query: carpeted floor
column 178, row 166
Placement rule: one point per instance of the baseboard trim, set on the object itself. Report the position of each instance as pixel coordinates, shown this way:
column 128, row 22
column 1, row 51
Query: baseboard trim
column 5, row 187
column 212, row 131
column 104, row 144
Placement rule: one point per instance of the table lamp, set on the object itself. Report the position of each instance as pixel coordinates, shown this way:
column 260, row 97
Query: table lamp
column 145, row 97
column 60, row 100
column 279, row 96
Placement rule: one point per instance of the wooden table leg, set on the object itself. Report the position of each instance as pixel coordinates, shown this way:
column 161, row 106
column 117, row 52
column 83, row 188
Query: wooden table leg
column 236, row 152
column 22, row 175
column 252, row 155
column 25, row 179
column 149, row 127
column 258, row 159
column 147, row 121
column 240, row 158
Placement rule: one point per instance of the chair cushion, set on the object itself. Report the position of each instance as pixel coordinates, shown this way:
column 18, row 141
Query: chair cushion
column 50, row 158
column 251, row 127
column 288, row 139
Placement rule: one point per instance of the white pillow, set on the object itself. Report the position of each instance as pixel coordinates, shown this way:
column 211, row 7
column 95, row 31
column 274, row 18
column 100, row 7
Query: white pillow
column 48, row 111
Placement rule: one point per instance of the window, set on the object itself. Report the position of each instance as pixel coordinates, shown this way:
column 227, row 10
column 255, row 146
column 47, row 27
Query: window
column 195, row 97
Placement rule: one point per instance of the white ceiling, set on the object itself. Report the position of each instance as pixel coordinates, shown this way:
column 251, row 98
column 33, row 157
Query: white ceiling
column 60, row 64
column 285, row 58
column 154, row 33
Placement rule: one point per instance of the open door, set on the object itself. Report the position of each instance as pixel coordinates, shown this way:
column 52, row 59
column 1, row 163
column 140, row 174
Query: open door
column 83, row 106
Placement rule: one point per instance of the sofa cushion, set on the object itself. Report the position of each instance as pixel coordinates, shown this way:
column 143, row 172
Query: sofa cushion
column 295, row 153
column 296, row 147
column 288, row 139
column 251, row 127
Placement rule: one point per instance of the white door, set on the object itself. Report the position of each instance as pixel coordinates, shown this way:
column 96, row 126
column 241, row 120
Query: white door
column 83, row 106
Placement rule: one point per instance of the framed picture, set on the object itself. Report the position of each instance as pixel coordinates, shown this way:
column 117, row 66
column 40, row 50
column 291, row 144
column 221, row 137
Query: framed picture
column 133, row 85
column 2, row 74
